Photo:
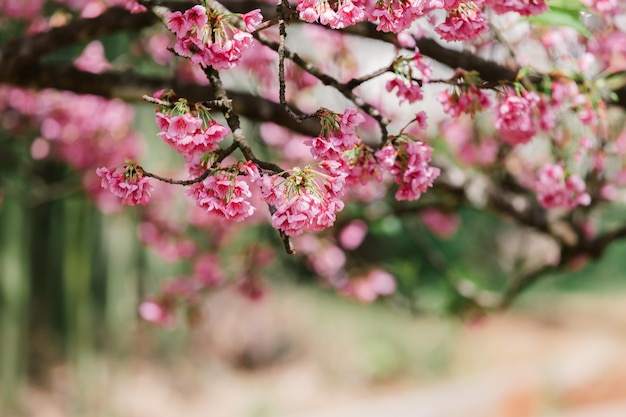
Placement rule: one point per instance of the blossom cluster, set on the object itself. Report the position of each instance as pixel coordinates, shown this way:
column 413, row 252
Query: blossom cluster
column 337, row 16
column 407, row 86
column 208, row 39
column 127, row 182
column 555, row 189
column 189, row 134
column 407, row 160
column 337, row 134
column 465, row 19
column 305, row 199
column 224, row 194
column 515, row 117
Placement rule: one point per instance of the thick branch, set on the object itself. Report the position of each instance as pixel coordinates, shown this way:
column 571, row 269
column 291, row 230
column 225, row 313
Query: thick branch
column 19, row 52
column 131, row 87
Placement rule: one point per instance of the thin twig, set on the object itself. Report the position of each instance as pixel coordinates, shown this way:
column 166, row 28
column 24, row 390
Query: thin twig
column 281, row 60
column 196, row 180
column 239, row 139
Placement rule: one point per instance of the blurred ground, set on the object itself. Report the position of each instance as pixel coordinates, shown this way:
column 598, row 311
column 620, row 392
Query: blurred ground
column 304, row 353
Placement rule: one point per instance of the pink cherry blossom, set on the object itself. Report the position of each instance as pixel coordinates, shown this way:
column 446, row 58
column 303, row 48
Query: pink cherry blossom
column 187, row 134
column 514, row 117
column 157, row 313
column 338, row 134
column 127, row 183
column 92, row 59
column 394, row 16
column 408, row 162
column 252, row 19
column 297, row 213
column 464, row 23
column 210, row 42
column 196, row 16
column 554, row 189
column 336, row 15
column 223, row 195
column 306, row 200
column 178, row 23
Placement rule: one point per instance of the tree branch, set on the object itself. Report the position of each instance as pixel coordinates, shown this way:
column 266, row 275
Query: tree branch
column 131, row 87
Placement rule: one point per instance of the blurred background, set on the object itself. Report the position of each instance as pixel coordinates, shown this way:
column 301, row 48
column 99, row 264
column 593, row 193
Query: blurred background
column 72, row 342
column 72, row 278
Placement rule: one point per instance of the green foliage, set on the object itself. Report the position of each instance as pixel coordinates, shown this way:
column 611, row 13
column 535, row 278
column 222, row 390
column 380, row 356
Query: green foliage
column 562, row 13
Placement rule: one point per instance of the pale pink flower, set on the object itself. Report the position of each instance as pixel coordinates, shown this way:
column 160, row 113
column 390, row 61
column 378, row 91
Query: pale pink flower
column 514, row 117
column 353, row 234
column 350, row 119
column 252, row 19
column 178, row 23
column 92, row 59
column 251, row 170
column 443, row 224
column 349, row 13
column 422, row 120
column 382, row 282
column 321, row 148
column 156, row 313
column 133, row 6
column 328, row 262
column 386, row 157
column 196, row 16
column 156, row 45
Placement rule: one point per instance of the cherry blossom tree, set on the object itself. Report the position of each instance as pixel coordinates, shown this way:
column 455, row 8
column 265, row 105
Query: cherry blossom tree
column 317, row 117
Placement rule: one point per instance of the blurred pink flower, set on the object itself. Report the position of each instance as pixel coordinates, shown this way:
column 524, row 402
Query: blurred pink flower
column 367, row 289
column 156, row 313
column 92, row 59
column 353, row 234
column 382, row 282
column 439, row 222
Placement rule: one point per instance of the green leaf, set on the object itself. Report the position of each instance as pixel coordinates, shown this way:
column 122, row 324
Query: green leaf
column 573, row 6
column 558, row 16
